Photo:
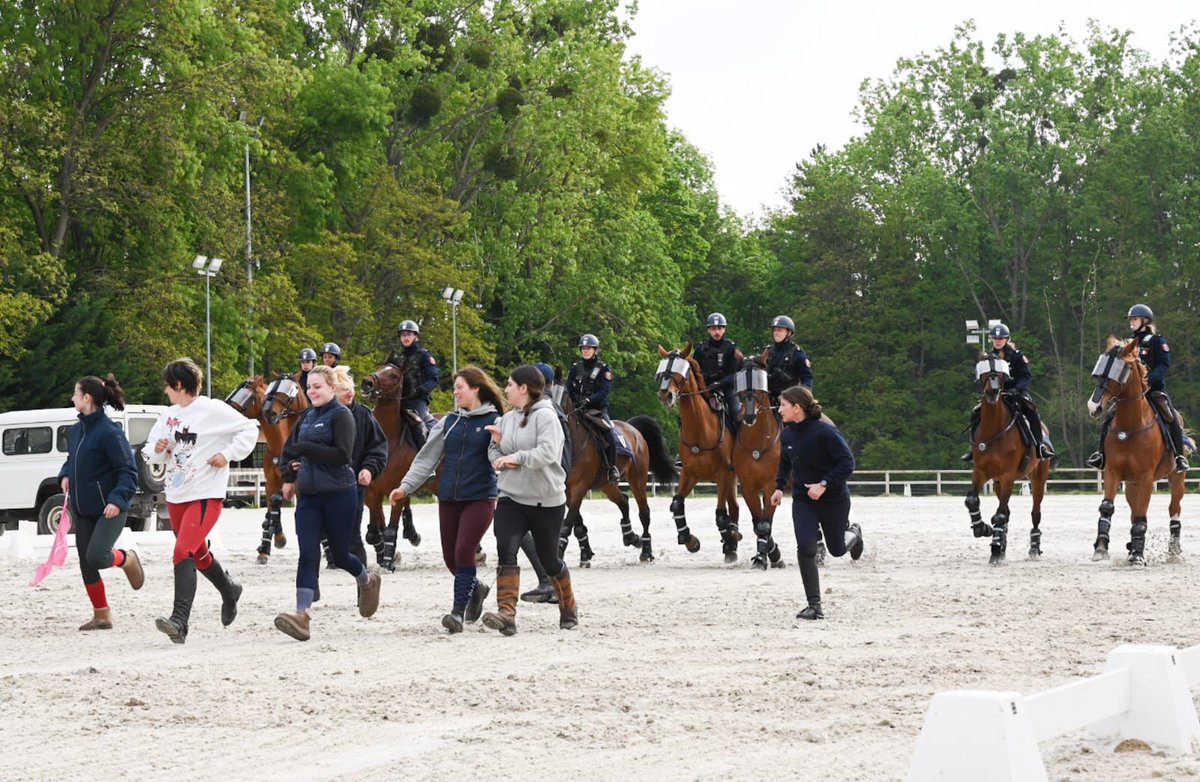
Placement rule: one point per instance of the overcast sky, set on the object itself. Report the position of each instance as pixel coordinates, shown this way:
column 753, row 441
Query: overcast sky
column 756, row 84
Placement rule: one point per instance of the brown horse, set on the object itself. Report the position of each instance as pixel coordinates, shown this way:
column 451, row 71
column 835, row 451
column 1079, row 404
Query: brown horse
column 1001, row 455
column 385, row 387
column 645, row 439
column 1136, row 450
column 756, row 457
column 705, row 447
column 276, row 407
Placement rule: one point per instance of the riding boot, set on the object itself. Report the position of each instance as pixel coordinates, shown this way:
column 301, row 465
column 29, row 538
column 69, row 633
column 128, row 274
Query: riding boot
column 811, row 578
column 231, row 591
column 544, row 592
column 854, row 541
column 464, row 583
column 568, row 616
column 610, row 458
column 1045, row 450
column 1181, row 461
column 1096, row 460
column 508, row 584
column 176, row 626
column 975, row 415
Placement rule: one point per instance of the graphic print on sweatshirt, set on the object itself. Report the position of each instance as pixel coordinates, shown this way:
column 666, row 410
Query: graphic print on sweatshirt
column 181, row 452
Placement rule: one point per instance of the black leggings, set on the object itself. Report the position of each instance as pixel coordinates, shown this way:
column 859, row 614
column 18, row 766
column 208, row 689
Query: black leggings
column 513, row 520
column 95, row 537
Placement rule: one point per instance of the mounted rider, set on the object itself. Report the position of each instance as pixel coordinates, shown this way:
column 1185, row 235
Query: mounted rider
column 1017, row 386
column 787, row 364
column 419, row 369
column 588, row 384
column 720, row 360
column 1155, row 354
column 308, row 360
column 331, row 354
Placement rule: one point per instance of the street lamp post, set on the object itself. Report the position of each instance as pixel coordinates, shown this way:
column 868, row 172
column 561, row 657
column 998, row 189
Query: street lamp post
column 453, row 297
column 209, row 268
column 250, row 262
column 977, row 335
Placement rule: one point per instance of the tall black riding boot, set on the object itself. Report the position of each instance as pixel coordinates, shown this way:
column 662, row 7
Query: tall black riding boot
column 610, row 458
column 975, row 415
column 1181, row 462
column 176, row 626
column 231, row 591
column 811, row 578
column 1045, row 451
column 544, row 592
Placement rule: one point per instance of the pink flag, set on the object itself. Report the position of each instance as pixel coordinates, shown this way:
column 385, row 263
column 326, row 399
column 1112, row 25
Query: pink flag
column 58, row 549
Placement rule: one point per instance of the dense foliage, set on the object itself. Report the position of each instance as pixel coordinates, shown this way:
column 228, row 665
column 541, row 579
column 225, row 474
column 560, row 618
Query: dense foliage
column 516, row 151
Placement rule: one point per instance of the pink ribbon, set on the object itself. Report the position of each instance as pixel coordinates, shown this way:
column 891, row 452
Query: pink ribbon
column 58, row 549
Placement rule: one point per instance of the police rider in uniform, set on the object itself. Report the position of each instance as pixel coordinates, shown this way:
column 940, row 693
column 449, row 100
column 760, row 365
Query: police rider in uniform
column 419, row 369
column 720, row 360
column 308, row 360
column 1155, row 354
column 588, row 383
column 1019, row 378
column 331, row 354
column 787, row 364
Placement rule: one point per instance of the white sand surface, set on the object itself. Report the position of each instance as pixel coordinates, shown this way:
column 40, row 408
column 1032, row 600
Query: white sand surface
column 683, row 669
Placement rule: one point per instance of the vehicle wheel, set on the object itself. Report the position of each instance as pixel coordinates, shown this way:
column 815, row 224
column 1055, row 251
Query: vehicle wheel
column 50, row 513
column 151, row 477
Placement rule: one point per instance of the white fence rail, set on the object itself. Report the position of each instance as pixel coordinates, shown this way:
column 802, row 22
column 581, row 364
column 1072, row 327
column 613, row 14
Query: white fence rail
column 249, row 483
column 984, row 736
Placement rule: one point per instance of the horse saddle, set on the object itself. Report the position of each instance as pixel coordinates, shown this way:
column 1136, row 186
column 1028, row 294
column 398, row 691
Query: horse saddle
column 597, row 420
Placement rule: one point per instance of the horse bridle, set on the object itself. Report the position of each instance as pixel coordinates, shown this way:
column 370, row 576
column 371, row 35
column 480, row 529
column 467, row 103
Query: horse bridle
column 665, row 376
column 370, row 385
column 289, row 393
column 239, row 397
column 1111, row 367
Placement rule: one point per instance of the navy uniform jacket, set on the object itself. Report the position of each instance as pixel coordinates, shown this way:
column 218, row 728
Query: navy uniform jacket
column 588, row 383
column 812, row 451
column 719, row 361
column 1019, row 376
column 1155, row 353
column 787, row 366
column 419, row 369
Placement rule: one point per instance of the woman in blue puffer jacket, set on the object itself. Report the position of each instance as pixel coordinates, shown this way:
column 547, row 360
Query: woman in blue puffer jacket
column 99, row 479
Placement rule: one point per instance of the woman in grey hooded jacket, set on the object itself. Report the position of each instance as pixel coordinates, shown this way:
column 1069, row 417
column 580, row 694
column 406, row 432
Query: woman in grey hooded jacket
column 526, row 451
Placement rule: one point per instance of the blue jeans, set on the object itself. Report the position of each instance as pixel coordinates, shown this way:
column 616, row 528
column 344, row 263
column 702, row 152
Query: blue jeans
column 333, row 513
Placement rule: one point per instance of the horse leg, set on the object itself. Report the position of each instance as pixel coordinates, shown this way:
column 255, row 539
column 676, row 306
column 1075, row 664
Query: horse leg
column 585, row 548
column 727, row 518
column 1174, row 548
column 1000, row 523
column 621, row 500
column 647, row 554
column 564, row 532
column 638, row 487
column 388, row 555
column 1138, row 497
column 684, row 535
column 410, row 532
column 978, row 527
column 1100, row 547
column 271, row 522
column 1037, row 483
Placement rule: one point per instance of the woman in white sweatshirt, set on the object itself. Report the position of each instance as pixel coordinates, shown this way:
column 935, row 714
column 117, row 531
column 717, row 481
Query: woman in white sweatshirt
column 196, row 438
column 526, row 451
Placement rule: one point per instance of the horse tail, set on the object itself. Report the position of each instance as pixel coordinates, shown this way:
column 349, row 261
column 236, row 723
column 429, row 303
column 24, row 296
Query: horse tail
column 662, row 466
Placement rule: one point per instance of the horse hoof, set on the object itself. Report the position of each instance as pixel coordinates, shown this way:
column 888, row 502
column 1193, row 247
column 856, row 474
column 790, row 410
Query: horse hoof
column 633, row 540
column 1099, row 554
column 996, row 559
column 646, row 557
column 730, row 558
column 981, row 530
column 758, row 564
column 1035, row 553
column 280, row 541
column 1174, row 548
column 585, row 563
column 734, row 535
column 1137, row 560
column 414, row 539
column 481, row 559
column 263, row 559
column 692, row 545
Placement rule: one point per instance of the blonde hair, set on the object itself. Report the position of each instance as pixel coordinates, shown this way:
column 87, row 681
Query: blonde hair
column 326, row 373
column 342, row 381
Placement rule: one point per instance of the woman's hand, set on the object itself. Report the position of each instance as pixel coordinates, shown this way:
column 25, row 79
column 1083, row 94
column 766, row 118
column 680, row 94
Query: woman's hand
column 289, row 490
column 815, row 490
column 161, row 445
column 777, row 498
column 495, row 430
column 397, row 495
column 111, row 511
column 66, row 485
column 218, row 460
column 508, row 462
column 364, row 477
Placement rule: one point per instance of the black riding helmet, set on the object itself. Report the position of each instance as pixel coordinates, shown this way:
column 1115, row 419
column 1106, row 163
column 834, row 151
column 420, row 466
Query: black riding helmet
column 408, row 325
column 999, row 331
column 589, row 341
column 715, row 319
column 784, row 322
column 308, row 354
column 1141, row 311
column 331, row 347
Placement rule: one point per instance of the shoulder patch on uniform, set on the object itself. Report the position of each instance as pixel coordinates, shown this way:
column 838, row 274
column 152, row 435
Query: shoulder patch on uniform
column 1166, row 347
column 608, row 375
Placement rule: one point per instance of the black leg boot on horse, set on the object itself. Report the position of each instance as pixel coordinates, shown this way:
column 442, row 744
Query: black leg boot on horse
column 1137, row 542
column 762, row 534
column 176, row 625
column 999, row 538
column 810, row 577
column 544, row 591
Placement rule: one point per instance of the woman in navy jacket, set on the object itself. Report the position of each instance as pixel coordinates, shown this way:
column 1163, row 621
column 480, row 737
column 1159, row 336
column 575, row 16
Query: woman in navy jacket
column 100, row 479
column 323, row 444
column 466, row 488
column 816, row 460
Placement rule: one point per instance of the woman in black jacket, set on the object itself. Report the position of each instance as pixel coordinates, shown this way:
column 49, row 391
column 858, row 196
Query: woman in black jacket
column 816, row 460
column 318, row 453
column 99, row 478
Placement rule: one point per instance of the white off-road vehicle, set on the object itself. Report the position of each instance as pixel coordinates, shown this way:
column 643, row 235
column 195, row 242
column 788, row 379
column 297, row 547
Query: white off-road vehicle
column 33, row 448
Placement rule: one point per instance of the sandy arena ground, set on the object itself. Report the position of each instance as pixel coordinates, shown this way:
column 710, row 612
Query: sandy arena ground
column 684, row 669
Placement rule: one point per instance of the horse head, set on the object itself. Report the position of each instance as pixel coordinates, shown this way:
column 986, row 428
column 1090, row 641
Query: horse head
column 991, row 373
column 677, row 374
column 1116, row 367
column 385, row 382
column 752, row 388
column 282, row 399
column 247, row 398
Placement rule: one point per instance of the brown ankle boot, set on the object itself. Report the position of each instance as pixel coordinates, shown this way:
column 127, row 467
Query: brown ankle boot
column 101, row 620
column 296, row 625
column 508, row 584
column 133, row 569
column 567, row 616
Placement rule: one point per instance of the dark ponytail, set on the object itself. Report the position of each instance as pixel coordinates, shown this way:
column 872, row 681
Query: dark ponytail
column 103, row 392
column 532, row 378
column 803, row 397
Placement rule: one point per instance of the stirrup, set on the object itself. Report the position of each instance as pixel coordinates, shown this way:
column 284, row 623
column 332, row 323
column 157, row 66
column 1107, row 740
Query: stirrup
column 1096, row 461
column 969, row 456
column 1181, row 463
column 1045, row 452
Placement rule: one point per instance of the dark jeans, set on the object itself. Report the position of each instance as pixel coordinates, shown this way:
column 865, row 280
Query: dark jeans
column 331, row 513
column 811, row 518
column 513, row 520
column 463, row 525
column 94, row 540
